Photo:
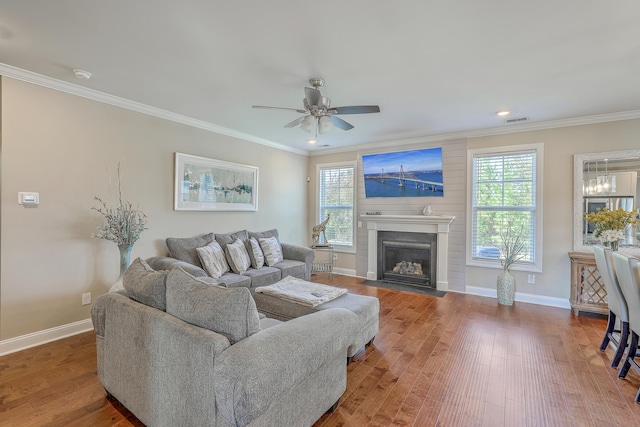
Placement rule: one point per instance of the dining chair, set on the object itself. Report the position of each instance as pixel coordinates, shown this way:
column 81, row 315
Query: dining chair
column 618, row 311
column 628, row 277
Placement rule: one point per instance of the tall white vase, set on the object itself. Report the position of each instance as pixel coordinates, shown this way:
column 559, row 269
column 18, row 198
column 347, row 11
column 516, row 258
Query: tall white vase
column 506, row 287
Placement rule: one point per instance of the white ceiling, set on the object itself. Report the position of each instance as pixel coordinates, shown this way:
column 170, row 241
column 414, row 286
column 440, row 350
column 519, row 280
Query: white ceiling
column 435, row 68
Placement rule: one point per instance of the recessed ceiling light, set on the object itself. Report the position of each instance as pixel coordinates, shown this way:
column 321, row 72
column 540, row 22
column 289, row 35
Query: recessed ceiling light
column 312, row 140
column 81, row 74
column 503, row 113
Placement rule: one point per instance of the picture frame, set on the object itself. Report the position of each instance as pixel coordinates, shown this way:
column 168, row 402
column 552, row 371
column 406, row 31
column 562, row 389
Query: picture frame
column 203, row 184
column 413, row 173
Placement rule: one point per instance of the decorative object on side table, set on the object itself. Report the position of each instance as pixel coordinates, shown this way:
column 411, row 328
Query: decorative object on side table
column 511, row 248
column 123, row 226
column 317, row 230
column 609, row 226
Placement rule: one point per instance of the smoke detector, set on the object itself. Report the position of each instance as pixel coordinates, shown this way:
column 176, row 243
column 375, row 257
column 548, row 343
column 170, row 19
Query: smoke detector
column 82, row 74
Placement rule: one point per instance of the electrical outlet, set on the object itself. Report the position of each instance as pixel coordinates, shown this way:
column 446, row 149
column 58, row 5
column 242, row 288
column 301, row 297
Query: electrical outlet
column 335, row 257
column 532, row 279
column 86, row 298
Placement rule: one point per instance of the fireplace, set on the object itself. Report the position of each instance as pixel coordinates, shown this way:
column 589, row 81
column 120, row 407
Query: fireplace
column 436, row 225
column 408, row 258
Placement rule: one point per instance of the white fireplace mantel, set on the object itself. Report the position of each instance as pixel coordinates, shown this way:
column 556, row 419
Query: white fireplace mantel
column 413, row 224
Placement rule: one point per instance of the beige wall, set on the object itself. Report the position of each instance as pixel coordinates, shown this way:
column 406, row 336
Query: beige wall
column 61, row 146
column 559, row 146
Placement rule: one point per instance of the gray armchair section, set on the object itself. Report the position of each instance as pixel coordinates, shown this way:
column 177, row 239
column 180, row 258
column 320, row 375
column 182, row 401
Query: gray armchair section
column 169, row 372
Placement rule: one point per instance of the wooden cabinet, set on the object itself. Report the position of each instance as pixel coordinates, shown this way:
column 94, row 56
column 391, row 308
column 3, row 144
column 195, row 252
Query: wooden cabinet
column 587, row 289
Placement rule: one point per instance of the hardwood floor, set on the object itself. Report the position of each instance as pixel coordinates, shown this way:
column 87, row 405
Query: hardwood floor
column 460, row 360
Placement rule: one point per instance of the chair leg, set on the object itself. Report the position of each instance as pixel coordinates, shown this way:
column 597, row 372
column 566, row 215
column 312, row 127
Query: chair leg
column 633, row 347
column 624, row 340
column 610, row 327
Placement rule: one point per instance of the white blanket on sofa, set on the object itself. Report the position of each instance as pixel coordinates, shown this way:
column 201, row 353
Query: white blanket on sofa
column 302, row 292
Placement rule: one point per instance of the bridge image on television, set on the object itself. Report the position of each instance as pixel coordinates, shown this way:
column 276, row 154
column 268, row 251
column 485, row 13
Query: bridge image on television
column 416, row 173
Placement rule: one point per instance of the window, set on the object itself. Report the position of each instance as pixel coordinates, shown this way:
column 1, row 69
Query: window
column 505, row 192
column 336, row 199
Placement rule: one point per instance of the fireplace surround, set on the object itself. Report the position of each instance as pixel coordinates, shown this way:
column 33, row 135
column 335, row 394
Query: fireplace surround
column 409, row 258
column 436, row 224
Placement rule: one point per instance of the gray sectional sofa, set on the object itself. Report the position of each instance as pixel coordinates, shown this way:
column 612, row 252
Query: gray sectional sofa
column 183, row 252
column 177, row 351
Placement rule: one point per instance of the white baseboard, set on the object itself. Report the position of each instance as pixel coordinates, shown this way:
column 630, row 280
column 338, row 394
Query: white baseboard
column 529, row 298
column 345, row 272
column 42, row 337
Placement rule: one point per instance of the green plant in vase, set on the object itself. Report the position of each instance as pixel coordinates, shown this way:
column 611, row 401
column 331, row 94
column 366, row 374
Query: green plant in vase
column 609, row 226
column 123, row 226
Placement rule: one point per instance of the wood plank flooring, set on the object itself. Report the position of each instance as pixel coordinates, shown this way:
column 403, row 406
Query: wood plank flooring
column 460, row 360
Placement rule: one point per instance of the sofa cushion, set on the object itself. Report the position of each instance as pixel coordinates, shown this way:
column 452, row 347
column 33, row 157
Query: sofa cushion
column 213, row 259
column 225, row 239
column 229, row 312
column 289, row 267
column 264, row 234
column 271, row 250
column 145, row 285
column 255, row 253
column 184, row 249
column 263, row 276
column 237, row 256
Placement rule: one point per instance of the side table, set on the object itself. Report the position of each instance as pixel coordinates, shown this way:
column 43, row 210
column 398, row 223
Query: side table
column 323, row 260
column 587, row 289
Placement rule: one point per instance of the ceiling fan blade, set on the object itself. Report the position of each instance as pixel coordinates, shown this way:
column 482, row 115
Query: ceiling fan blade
column 280, row 108
column 313, row 96
column 295, row 123
column 339, row 123
column 355, row 109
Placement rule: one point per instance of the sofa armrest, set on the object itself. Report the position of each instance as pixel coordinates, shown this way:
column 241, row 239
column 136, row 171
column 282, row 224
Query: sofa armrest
column 254, row 372
column 167, row 263
column 299, row 253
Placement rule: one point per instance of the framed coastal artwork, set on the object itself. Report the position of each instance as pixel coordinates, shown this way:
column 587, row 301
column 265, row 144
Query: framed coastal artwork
column 415, row 173
column 203, row 184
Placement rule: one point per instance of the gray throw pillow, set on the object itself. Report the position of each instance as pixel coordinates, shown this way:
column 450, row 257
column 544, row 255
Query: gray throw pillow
column 237, row 256
column 184, row 249
column 228, row 311
column 255, row 254
column 225, row 239
column 145, row 285
column 271, row 250
column 213, row 259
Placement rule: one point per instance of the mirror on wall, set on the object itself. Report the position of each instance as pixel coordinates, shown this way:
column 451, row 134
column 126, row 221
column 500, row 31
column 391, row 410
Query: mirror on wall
column 604, row 180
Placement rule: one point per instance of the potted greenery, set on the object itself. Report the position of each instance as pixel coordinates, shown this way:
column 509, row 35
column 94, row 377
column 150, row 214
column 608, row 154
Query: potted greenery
column 123, row 226
column 609, row 226
column 512, row 246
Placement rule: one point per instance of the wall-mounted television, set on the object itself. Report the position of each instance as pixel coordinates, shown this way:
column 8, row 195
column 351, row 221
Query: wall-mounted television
column 415, row 173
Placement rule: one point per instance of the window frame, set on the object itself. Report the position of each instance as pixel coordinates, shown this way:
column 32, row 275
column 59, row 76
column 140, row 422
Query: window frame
column 497, row 151
column 339, row 165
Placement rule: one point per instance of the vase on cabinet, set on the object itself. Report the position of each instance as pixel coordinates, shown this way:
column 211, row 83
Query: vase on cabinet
column 506, row 288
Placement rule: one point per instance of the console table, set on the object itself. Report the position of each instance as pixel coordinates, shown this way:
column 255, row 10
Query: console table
column 587, row 289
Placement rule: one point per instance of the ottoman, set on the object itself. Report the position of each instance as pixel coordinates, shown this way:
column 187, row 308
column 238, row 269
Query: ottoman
column 366, row 308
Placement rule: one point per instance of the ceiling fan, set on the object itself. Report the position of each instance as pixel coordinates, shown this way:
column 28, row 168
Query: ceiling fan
column 319, row 115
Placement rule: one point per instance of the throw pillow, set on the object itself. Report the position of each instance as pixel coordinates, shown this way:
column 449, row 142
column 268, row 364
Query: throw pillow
column 145, row 285
column 213, row 259
column 228, row 311
column 184, row 249
column 225, row 239
column 237, row 256
column 257, row 258
column 271, row 250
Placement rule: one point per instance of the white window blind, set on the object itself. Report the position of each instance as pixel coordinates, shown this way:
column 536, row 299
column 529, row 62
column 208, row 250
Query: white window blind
column 336, row 198
column 503, row 195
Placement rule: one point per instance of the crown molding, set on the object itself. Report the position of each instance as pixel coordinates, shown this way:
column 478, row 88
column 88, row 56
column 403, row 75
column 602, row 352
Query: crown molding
column 70, row 88
column 507, row 129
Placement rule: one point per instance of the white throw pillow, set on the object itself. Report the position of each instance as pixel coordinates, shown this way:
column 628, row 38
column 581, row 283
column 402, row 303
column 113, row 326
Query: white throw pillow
column 257, row 260
column 238, row 257
column 271, row 250
column 213, row 260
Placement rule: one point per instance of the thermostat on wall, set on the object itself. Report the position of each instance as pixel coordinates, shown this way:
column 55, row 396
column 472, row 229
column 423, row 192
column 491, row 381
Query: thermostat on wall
column 28, row 198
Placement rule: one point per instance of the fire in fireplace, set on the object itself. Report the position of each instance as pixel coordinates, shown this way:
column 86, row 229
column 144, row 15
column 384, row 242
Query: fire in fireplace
column 407, row 257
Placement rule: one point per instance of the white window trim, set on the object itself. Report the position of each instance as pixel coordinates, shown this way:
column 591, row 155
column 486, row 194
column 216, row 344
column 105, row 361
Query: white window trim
column 539, row 149
column 354, row 165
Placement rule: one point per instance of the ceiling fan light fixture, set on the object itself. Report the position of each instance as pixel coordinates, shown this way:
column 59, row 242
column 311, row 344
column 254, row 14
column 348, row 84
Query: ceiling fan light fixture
column 503, row 113
column 307, row 124
column 325, row 124
column 312, row 140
